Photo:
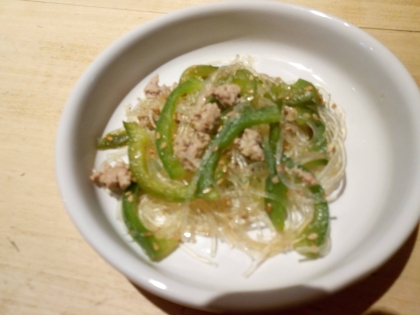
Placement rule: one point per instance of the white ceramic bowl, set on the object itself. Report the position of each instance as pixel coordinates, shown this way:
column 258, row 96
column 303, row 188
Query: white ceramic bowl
column 379, row 207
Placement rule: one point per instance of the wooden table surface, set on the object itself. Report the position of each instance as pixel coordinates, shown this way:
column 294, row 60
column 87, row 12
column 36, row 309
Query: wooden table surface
column 46, row 267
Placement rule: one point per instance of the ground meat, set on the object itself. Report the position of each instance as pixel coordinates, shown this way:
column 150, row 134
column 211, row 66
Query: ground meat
column 249, row 145
column 307, row 177
column 289, row 113
column 227, row 94
column 189, row 146
column 151, row 106
column 205, row 117
column 116, row 178
column 153, row 89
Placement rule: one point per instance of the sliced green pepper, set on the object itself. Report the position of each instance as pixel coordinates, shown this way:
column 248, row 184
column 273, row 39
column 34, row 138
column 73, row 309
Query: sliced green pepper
column 223, row 139
column 309, row 117
column 298, row 94
column 316, row 163
column 165, row 127
column 197, row 72
column 316, row 233
column 276, row 202
column 247, row 82
column 138, row 142
column 112, row 140
column 155, row 248
column 308, row 91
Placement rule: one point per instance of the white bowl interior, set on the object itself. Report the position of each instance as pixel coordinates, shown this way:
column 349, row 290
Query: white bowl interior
column 378, row 208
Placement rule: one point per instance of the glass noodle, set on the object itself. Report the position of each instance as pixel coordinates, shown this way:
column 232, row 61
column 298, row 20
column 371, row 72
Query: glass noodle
column 233, row 201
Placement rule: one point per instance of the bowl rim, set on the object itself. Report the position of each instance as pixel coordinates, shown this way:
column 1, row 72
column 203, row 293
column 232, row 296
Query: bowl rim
column 349, row 273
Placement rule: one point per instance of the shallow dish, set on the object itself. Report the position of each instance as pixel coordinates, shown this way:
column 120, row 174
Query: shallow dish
column 378, row 208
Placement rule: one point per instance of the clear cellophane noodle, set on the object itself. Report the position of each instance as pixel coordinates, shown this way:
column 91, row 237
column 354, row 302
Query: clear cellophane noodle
column 239, row 218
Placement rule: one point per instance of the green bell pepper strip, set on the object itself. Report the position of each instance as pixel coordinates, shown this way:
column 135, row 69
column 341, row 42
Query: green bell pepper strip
column 316, row 233
column 305, row 116
column 156, row 248
column 315, row 163
column 297, row 94
column 310, row 91
column 138, row 142
column 247, row 82
column 112, row 140
column 165, row 127
column 276, row 202
column 197, row 72
column 223, row 139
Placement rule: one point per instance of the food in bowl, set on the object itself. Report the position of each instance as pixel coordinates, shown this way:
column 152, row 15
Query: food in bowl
column 228, row 153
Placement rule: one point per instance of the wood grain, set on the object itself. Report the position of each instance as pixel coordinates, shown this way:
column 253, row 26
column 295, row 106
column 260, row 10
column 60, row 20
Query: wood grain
column 381, row 14
column 45, row 265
